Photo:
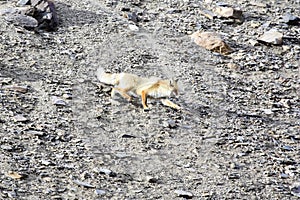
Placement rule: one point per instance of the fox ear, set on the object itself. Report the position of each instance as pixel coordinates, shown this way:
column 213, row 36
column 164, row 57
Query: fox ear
column 173, row 81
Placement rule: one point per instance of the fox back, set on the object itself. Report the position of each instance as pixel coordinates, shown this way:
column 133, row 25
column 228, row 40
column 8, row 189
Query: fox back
column 159, row 88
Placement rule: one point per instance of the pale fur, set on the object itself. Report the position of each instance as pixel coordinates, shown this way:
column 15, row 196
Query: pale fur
column 124, row 83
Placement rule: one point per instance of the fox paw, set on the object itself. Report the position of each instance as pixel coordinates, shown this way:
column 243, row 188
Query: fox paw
column 146, row 108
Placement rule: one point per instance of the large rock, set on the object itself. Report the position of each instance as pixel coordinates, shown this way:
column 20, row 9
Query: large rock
column 211, row 41
column 34, row 14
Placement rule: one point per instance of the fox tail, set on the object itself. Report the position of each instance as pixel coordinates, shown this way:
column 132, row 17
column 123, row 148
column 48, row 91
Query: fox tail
column 107, row 78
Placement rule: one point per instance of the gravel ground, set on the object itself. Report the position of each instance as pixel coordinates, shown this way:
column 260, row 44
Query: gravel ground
column 237, row 137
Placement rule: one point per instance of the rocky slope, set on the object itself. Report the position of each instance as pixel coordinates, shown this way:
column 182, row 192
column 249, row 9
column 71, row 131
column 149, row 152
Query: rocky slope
column 62, row 137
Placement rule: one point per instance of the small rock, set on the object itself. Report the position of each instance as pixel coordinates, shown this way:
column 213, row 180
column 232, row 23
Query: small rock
column 20, row 118
column 296, row 190
column 100, row 192
column 14, row 175
column 184, row 194
column 284, row 175
column 46, row 162
column 6, row 147
column 107, row 172
column 21, row 89
column 58, row 101
column 285, row 48
column 272, row 37
column 151, row 179
column 229, row 12
column 67, row 96
column 268, row 111
column 23, row 2
column 84, row 184
column 133, row 27
column 36, row 133
column 233, row 66
column 287, row 148
column 291, row 19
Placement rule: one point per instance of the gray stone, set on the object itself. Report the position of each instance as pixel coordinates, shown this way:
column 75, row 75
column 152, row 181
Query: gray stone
column 271, row 37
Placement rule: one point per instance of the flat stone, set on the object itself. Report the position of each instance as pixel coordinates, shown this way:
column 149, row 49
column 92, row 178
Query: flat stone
column 22, row 20
column 20, row 118
column 23, row 2
column 58, row 101
column 100, row 192
column 272, row 37
column 184, row 194
column 17, row 88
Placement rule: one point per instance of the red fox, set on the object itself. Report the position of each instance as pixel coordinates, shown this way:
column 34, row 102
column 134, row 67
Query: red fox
column 125, row 83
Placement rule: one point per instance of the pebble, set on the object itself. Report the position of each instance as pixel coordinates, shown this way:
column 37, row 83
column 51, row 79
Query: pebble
column 184, row 194
column 14, row 175
column 23, row 2
column 105, row 171
column 84, row 184
column 268, row 111
column 58, row 101
column 229, row 12
column 6, row 147
column 100, row 192
column 133, row 27
column 296, row 190
column 233, row 66
column 21, row 89
column 37, row 133
column 20, row 118
column 284, row 175
column 272, row 37
column 46, row 162
column 291, row 19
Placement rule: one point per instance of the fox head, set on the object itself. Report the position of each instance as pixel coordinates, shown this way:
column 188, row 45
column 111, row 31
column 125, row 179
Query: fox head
column 173, row 86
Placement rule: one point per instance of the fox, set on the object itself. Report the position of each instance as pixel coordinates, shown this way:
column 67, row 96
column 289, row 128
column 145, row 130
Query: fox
column 126, row 83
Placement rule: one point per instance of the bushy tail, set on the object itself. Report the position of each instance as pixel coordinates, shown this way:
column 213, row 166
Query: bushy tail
column 107, row 78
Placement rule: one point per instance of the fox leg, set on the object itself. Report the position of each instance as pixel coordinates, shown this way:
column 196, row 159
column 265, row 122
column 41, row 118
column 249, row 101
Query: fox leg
column 144, row 100
column 122, row 92
column 169, row 103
